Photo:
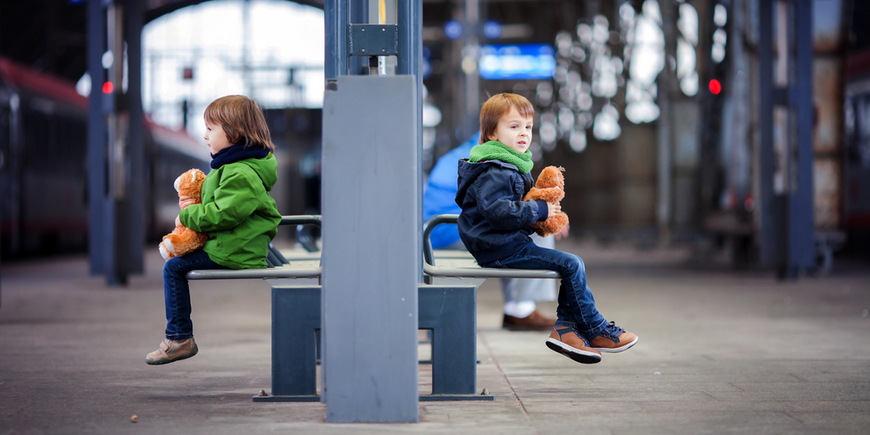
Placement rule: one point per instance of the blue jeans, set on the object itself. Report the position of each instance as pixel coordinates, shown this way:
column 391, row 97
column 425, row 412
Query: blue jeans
column 177, row 293
column 576, row 304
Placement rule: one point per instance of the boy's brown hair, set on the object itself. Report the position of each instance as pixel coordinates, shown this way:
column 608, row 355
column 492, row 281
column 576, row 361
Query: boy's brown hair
column 496, row 107
column 242, row 120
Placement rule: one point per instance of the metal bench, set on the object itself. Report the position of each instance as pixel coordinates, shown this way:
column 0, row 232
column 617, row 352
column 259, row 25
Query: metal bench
column 296, row 320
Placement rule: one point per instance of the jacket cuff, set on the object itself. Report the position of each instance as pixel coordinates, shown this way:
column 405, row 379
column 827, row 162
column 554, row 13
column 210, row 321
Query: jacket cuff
column 182, row 216
column 542, row 210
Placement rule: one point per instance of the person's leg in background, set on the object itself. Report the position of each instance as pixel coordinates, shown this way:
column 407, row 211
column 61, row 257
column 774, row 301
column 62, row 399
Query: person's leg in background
column 520, row 295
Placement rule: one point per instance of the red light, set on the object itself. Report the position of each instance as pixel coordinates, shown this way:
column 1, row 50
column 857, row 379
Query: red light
column 715, row 87
column 749, row 202
column 108, row 88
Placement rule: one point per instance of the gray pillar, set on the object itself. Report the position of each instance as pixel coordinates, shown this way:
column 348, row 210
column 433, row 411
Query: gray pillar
column 768, row 240
column 665, row 81
column 471, row 120
column 115, row 154
column 787, row 229
column 801, row 231
column 371, row 244
column 134, row 229
column 409, row 15
column 97, row 217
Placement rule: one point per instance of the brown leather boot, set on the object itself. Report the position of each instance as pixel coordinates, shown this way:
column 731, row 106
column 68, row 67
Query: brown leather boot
column 533, row 322
column 566, row 340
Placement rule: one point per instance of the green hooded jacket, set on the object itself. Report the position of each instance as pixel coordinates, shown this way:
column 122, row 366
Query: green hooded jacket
column 237, row 212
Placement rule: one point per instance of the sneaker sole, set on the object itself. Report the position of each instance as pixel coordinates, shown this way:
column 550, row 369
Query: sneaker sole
column 167, row 361
column 581, row 356
column 622, row 348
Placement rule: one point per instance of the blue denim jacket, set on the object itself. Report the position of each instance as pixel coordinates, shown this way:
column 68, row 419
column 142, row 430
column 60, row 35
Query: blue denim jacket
column 494, row 222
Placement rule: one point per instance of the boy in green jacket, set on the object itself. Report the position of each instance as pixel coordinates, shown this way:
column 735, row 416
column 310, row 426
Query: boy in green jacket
column 237, row 212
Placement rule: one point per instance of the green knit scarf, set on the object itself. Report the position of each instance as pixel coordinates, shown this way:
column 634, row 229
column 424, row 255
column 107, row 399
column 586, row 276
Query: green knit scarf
column 495, row 150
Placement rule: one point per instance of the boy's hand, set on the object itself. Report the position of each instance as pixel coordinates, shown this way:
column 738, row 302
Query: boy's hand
column 564, row 233
column 184, row 201
column 178, row 221
column 552, row 209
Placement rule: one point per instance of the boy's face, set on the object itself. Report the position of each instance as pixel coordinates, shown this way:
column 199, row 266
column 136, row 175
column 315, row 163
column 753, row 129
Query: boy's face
column 216, row 138
column 514, row 131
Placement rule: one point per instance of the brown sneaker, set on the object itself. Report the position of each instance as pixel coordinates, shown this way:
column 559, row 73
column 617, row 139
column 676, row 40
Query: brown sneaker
column 172, row 350
column 568, row 342
column 613, row 339
column 533, row 322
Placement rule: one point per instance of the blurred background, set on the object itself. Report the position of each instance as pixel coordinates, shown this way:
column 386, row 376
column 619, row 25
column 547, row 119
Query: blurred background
column 652, row 107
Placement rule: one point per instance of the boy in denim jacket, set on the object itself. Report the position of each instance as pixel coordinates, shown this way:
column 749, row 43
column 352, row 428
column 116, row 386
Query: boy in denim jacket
column 494, row 226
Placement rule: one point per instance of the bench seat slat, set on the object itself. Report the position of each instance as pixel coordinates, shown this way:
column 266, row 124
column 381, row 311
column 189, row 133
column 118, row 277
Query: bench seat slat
column 284, row 271
column 487, row 272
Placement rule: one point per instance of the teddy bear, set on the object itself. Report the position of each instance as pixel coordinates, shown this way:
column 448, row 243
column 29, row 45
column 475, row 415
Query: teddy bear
column 551, row 188
column 183, row 240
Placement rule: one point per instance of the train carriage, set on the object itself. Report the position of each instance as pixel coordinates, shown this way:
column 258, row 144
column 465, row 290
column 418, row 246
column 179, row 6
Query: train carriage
column 43, row 170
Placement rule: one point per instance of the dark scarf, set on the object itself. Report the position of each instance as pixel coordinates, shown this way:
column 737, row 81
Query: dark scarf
column 495, row 150
column 235, row 153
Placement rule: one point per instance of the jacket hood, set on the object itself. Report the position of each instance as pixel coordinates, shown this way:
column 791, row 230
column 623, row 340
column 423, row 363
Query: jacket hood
column 468, row 172
column 266, row 169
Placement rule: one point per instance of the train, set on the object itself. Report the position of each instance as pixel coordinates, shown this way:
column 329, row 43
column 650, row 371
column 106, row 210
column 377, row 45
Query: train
column 43, row 166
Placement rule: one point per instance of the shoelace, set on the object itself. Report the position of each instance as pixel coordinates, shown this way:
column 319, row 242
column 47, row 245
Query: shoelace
column 613, row 330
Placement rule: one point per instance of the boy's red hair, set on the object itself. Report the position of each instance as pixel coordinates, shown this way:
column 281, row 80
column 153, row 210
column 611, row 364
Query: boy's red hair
column 496, row 107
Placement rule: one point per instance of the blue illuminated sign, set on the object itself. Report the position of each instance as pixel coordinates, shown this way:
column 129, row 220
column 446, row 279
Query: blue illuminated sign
column 517, row 61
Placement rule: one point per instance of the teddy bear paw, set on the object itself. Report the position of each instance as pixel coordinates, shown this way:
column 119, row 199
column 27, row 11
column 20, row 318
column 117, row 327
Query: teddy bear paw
column 168, row 244
column 164, row 253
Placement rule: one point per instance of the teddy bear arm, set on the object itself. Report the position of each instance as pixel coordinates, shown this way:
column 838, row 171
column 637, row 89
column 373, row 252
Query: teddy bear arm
column 551, row 194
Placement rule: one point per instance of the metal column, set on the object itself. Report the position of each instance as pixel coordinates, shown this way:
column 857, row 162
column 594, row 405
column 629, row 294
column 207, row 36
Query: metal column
column 802, row 236
column 372, row 225
column 787, row 231
column 115, row 154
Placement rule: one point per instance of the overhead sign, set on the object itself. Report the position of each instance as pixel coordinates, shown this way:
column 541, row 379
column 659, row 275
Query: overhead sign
column 517, row 61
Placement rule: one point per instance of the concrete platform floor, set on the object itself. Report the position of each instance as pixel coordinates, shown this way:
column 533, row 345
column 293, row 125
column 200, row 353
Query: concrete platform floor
column 720, row 352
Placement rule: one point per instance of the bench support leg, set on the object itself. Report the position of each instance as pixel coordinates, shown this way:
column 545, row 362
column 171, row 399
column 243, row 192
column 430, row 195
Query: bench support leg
column 295, row 320
column 448, row 310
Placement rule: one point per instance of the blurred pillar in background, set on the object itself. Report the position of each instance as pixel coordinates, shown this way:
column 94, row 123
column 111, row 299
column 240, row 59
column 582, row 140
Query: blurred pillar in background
column 666, row 87
column 787, row 233
column 115, row 139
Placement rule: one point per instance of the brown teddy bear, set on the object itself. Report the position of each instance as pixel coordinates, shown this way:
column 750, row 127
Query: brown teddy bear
column 551, row 188
column 183, row 240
